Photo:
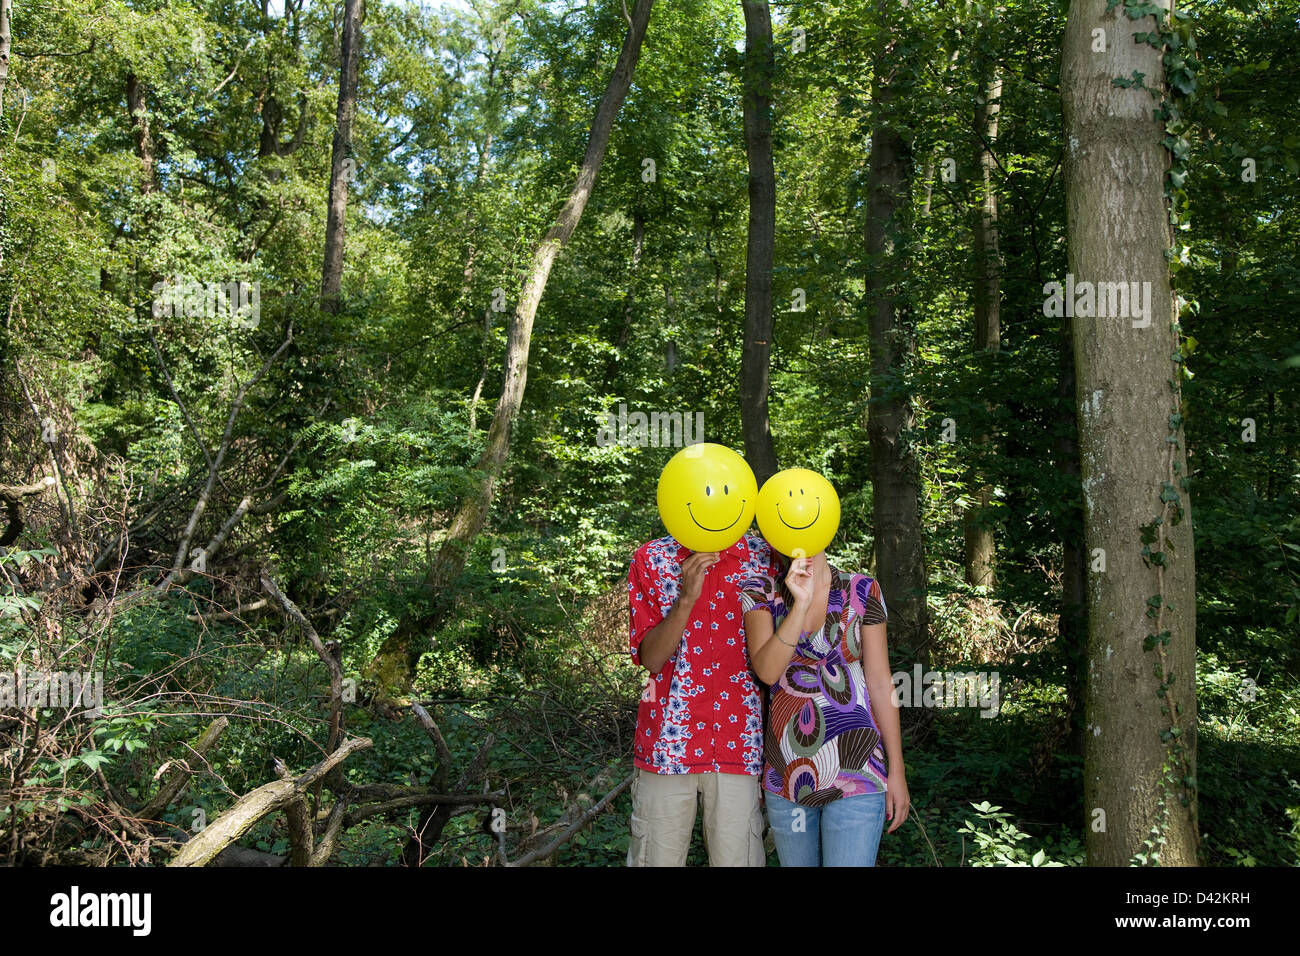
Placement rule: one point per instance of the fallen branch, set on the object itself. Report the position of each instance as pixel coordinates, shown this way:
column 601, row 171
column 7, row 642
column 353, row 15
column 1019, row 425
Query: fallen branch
column 229, row 615
column 179, row 774
column 439, row 744
column 325, row 849
column 549, row 850
column 327, row 654
column 417, row 799
column 12, row 496
column 301, row 837
column 215, row 463
column 253, row 806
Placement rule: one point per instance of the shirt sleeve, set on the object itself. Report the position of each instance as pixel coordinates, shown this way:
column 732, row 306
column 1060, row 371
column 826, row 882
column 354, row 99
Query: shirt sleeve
column 643, row 605
column 869, row 600
column 756, row 593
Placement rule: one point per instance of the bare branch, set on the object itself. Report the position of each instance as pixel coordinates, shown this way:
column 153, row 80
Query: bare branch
column 12, row 496
column 201, row 505
column 444, row 753
column 179, row 774
column 549, row 850
column 253, row 806
column 423, row 799
column 232, row 614
column 331, row 659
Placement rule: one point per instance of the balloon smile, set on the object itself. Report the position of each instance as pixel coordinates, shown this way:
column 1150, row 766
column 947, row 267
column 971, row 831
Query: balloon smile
column 801, row 527
column 706, row 527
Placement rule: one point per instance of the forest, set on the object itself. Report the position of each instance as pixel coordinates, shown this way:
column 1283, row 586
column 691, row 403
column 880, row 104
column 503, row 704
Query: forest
column 344, row 344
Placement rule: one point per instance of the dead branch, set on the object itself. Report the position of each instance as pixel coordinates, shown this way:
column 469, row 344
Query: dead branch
column 331, row 659
column 12, row 496
column 549, row 850
column 325, row 849
column 301, row 837
column 418, row 799
column 230, row 615
column 245, row 856
column 439, row 744
column 180, row 771
column 253, row 806
column 178, row 562
column 433, row 820
column 185, row 412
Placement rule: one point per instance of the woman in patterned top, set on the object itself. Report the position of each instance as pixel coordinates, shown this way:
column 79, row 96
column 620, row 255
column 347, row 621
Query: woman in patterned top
column 833, row 753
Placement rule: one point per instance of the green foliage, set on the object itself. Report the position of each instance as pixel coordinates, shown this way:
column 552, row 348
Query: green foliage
column 470, row 125
column 998, row 842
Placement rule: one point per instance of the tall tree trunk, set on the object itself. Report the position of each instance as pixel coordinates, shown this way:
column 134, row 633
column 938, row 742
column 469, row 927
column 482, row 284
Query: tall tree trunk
column 467, row 278
column 1140, row 744
column 629, row 297
column 139, row 111
column 755, row 363
column 394, row 665
column 895, row 472
column 335, row 225
column 978, row 534
column 6, row 7
column 471, row 227
column 1072, row 621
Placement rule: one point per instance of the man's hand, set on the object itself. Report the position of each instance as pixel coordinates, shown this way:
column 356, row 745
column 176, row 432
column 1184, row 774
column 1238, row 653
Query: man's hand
column 693, row 570
column 663, row 639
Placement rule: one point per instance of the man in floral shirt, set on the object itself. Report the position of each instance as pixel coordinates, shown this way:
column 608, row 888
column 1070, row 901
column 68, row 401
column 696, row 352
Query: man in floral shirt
column 699, row 728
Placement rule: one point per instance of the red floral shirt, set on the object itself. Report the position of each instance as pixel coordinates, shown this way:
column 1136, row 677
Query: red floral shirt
column 703, row 712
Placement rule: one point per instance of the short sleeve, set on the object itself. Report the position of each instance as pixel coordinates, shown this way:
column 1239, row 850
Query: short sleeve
column 868, row 600
column 643, row 605
column 756, row 593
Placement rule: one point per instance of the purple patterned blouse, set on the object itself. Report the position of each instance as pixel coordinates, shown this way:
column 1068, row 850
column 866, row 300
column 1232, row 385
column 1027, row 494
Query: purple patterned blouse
column 822, row 742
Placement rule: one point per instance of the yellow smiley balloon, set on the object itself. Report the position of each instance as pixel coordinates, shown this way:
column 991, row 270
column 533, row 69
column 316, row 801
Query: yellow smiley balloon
column 706, row 497
column 798, row 512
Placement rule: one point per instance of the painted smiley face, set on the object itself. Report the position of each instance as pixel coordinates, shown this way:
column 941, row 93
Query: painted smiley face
column 708, row 493
column 706, row 497
column 799, row 527
column 798, row 512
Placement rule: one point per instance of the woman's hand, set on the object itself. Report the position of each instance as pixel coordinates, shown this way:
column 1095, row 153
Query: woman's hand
column 897, row 800
column 799, row 581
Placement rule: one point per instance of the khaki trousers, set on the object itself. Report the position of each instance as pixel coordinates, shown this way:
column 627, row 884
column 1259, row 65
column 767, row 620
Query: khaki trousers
column 663, row 818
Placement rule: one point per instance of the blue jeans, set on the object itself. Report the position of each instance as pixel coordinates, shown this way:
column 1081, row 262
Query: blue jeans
column 845, row 832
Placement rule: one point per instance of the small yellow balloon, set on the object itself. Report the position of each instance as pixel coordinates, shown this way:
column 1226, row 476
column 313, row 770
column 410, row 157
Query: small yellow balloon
column 706, row 497
column 798, row 512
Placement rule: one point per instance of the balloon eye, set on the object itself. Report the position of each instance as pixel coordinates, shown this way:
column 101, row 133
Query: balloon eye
column 800, row 491
column 708, row 490
column 790, row 493
column 724, row 490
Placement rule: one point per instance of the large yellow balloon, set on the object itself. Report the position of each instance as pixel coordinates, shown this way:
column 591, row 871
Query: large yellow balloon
column 798, row 512
column 706, row 497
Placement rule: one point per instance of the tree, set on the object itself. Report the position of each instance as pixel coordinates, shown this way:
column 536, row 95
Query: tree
column 1140, row 744
column 755, row 367
column 895, row 474
column 342, row 164
column 394, row 664
column 6, row 7
column 978, row 534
